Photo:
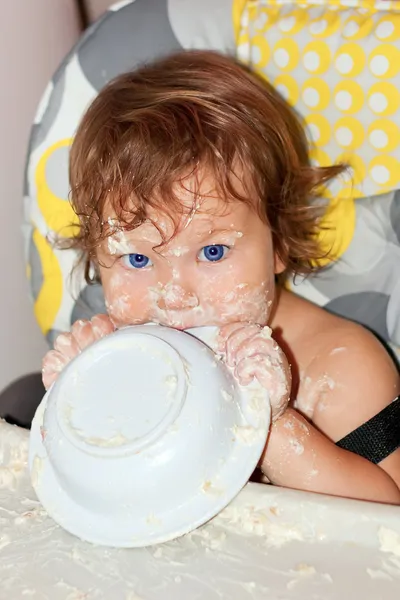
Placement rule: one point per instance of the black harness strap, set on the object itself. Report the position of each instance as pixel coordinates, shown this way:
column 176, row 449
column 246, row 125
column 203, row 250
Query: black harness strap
column 377, row 438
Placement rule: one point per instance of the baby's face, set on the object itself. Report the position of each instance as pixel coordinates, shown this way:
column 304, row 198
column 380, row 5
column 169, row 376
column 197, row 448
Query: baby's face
column 219, row 268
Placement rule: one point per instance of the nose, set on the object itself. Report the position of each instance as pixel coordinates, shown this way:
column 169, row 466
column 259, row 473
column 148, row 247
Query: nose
column 173, row 296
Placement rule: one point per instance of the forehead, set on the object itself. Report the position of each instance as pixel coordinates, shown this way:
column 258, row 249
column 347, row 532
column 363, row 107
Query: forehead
column 214, row 216
column 201, row 208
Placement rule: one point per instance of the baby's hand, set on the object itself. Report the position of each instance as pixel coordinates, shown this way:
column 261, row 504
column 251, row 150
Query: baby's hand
column 68, row 345
column 251, row 351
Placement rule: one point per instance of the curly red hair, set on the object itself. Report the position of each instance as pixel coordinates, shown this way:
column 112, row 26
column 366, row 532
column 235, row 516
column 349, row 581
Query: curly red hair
column 148, row 129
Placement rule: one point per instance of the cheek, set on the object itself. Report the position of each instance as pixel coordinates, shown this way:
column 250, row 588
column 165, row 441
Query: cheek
column 124, row 298
column 241, row 293
column 248, row 302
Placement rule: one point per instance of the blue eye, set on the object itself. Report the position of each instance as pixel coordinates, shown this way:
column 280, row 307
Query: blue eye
column 213, row 253
column 136, row 261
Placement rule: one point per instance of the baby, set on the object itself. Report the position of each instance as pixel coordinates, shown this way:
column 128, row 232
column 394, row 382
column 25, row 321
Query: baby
column 194, row 191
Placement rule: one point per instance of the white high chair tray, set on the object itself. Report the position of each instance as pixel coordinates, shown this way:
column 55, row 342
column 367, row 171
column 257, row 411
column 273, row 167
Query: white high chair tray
column 269, row 543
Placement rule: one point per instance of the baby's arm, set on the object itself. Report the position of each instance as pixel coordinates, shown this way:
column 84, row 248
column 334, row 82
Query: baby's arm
column 68, row 345
column 362, row 381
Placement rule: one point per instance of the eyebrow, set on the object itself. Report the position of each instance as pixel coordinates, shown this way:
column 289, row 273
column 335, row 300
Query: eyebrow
column 132, row 237
column 219, row 230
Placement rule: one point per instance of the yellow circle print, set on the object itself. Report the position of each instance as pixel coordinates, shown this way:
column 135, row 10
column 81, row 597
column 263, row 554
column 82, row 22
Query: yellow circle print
column 316, row 57
column 315, row 94
column 383, row 98
column 324, row 26
column 56, row 211
column 385, row 171
column 293, row 22
column 319, row 158
column 286, row 54
column 358, row 170
column 348, row 97
column 388, row 28
column 384, row 61
column 318, row 129
column 349, row 191
column 349, row 133
column 337, row 228
column 357, row 27
column 48, row 302
column 350, row 60
column 288, row 88
column 260, row 52
column 260, row 18
column 383, row 135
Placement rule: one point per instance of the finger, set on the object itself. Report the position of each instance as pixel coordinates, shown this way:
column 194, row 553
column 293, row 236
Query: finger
column 48, row 379
column 225, row 332
column 278, row 390
column 274, row 379
column 246, row 369
column 67, row 345
column 235, row 341
column 82, row 331
column 53, row 363
column 102, row 326
column 259, row 345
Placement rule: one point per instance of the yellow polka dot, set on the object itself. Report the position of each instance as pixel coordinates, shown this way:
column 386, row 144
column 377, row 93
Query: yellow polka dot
column 288, row 88
column 319, row 158
column 357, row 167
column 384, row 61
column 56, row 211
column 350, row 60
column 318, row 129
column 243, row 38
column 262, row 19
column 260, row 52
column 357, row 27
column 325, row 192
column 238, row 7
column 384, row 135
column 384, row 171
column 350, row 191
column 286, row 54
column 339, row 186
column 388, row 28
column 316, row 57
column 251, row 13
column 348, row 97
column 49, row 299
column 349, row 133
column 315, row 94
column 337, row 228
column 243, row 47
column 325, row 25
column 383, row 98
column 293, row 22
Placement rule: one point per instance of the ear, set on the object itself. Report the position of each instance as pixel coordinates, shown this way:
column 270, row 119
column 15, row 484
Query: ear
column 279, row 265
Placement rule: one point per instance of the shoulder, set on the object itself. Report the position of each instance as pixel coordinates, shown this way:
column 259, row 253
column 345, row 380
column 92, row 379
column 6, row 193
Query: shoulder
column 346, row 376
column 357, row 378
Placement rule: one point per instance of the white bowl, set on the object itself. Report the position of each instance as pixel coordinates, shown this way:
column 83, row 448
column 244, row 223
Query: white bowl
column 144, row 437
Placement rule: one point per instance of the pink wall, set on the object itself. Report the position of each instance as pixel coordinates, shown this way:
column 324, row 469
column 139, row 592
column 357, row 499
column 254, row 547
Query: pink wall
column 34, row 37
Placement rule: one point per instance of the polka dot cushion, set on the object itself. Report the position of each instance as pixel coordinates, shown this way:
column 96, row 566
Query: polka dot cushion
column 337, row 62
